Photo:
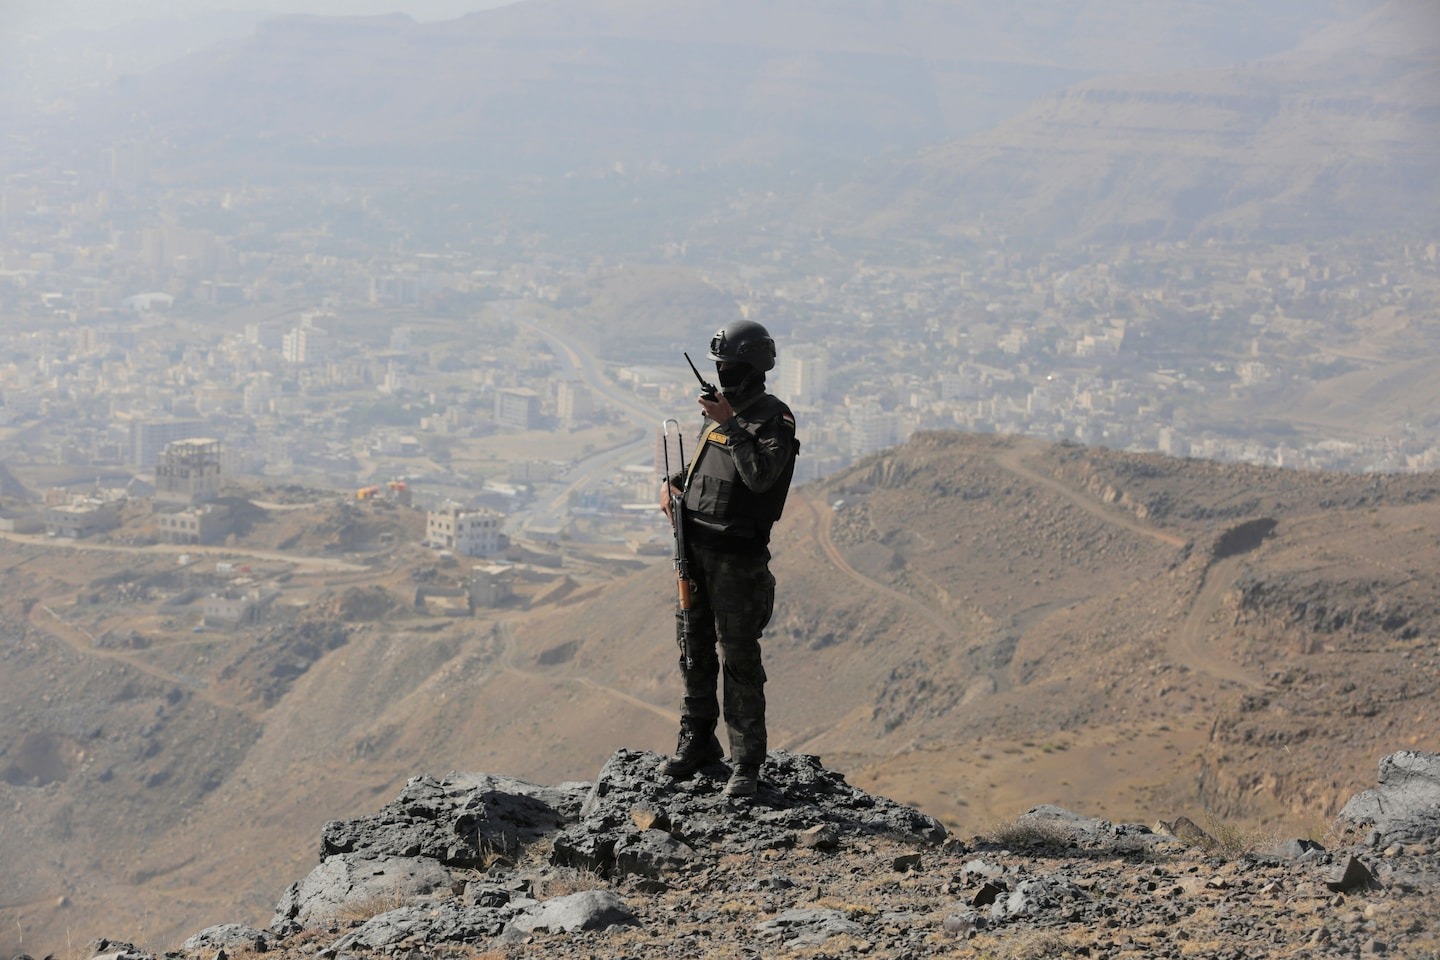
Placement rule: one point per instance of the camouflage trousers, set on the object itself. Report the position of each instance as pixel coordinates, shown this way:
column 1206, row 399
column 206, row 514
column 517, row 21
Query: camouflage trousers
column 731, row 601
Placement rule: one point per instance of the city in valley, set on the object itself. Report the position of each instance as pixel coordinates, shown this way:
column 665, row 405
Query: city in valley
column 166, row 347
column 320, row 342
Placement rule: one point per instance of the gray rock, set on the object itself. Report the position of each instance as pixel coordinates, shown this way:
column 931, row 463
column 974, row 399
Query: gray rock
column 1350, row 875
column 461, row 821
column 1032, row 898
column 357, row 883
column 822, row 836
column 589, row 910
column 1184, row 828
column 1058, row 824
column 1405, row 806
column 907, row 863
column 798, row 928
column 963, row 923
column 989, row 892
column 228, row 936
column 106, row 949
column 797, row 794
column 1296, row 848
column 981, row 868
column 651, row 853
column 442, row 921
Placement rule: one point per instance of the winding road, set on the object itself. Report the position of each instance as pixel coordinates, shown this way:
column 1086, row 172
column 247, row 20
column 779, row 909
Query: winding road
column 1013, row 460
column 1187, row 646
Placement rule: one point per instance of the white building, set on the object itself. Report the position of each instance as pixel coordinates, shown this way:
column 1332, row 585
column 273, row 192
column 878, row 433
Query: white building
column 803, row 375
column 307, row 345
column 234, row 608
column 189, row 471
column 470, row 533
column 872, row 429
column 573, row 402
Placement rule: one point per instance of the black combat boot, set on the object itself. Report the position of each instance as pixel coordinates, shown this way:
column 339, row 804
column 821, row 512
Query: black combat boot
column 748, row 746
column 697, row 748
column 744, row 780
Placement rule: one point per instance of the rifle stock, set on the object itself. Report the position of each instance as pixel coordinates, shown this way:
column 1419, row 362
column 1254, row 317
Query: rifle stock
column 677, row 523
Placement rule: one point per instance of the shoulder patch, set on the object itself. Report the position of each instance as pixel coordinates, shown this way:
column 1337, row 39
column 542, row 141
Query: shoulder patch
column 788, row 419
column 717, row 437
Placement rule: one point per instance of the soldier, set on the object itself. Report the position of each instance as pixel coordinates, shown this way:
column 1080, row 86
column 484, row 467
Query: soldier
column 731, row 493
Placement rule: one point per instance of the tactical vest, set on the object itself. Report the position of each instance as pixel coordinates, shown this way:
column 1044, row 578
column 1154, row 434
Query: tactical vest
column 717, row 500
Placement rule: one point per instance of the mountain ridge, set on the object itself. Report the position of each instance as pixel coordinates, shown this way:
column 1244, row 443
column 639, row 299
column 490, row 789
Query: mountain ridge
column 968, row 623
column 1194, row 120
column 630, row 865
column 1338, row 134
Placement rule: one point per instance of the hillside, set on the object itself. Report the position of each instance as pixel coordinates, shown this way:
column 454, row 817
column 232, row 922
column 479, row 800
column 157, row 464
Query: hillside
column 981, row 616
column 625, row 866
column 629, row 124
column 969, row 624
column 1336, row 135
column 552, row 86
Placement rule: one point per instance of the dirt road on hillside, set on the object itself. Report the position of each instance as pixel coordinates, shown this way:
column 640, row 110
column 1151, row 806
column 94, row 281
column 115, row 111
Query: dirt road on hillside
column 1014, row 461
column 47, row 622
column 824, row 522
column 507, row 664
column 1189, row 646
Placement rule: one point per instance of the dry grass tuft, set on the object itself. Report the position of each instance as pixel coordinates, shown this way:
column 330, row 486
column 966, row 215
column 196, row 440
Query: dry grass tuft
column 356, row 912
column 1031, row 836
column 844, row 906
column 1032, row 945
column 567, row 880
column 1232, row 841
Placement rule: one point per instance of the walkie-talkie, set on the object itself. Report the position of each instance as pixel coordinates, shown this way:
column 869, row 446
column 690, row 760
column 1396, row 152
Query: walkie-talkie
column 707, row 390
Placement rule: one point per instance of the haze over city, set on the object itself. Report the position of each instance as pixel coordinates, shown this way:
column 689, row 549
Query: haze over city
column 1065, row 293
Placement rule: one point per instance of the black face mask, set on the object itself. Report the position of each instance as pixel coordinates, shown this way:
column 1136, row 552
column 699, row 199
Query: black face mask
column 732, row 378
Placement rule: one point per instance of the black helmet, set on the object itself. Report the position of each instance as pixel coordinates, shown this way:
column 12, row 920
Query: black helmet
column 744, row 341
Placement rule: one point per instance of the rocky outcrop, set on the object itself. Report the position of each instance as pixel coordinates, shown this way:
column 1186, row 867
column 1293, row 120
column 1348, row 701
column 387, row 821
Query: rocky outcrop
column 633, row 822
column 429, row 865
column 633, row 863
column 1404, row 807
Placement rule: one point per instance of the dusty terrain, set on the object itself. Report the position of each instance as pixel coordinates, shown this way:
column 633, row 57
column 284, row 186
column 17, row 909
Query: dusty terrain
column 969, row 624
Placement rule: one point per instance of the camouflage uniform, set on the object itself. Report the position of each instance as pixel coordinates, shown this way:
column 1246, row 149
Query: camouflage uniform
column 734, row 491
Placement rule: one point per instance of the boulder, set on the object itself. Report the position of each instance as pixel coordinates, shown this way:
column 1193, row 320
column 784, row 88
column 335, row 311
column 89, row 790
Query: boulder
column 353, row 883
column 587, row 910
column 230, row 937
column 1405, row 805
column 797, row 794
column 463, row 820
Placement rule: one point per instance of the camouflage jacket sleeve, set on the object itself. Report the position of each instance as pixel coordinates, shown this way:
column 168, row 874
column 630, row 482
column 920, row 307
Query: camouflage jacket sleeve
column 761, row 450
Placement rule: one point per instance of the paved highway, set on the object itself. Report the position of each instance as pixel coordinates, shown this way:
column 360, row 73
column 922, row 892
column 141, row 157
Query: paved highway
column 602, row 465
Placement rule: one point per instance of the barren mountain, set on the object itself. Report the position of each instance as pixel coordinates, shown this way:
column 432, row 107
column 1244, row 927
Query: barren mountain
column 1337, row 135
column 548, row 86
column 969, row 624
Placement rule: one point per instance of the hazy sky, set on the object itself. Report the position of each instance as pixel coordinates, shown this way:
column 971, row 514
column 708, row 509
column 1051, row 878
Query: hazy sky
column 31, row 17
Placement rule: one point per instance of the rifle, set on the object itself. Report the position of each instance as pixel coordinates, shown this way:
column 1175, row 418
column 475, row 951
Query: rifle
column 677, row 521
column 708, row 390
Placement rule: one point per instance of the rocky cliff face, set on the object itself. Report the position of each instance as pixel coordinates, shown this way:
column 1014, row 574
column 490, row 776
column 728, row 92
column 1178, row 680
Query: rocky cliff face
column 635, row 865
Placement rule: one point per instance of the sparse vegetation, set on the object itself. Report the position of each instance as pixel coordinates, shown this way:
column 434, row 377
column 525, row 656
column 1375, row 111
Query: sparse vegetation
column 354, row 912
column 1030, row 835
column 1232, row 840
column 1034, row 945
